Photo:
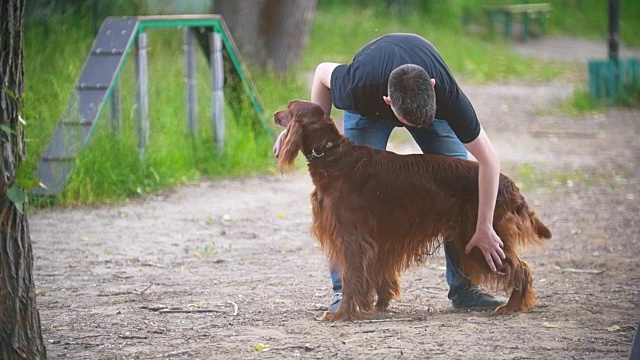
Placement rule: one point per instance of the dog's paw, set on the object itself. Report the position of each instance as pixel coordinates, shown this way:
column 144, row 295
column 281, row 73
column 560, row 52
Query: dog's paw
column 506, row 309
column 327, row 316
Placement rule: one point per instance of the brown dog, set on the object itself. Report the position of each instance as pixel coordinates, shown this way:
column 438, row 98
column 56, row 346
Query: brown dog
column 375, row 213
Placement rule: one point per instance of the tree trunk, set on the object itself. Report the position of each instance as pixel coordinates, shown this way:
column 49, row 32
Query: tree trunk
column 270, row 34
column 20, row 333
column 243, row 20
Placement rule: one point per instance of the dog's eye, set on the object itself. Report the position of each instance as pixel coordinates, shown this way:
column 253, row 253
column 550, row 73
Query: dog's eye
column 329, row 144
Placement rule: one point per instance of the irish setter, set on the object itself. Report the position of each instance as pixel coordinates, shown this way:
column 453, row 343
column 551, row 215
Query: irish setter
column 375, row 213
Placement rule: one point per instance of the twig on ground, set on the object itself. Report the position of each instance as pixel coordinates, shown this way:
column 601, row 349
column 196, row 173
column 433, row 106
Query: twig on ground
column 204, row 326
column 235, row 307
column 172, row 354
column 128, row 292
column 384, row 320
column 88, row 336
column 305, row 347
column 581, row 271
column 176, row 311
column 154, row 308
column 67, row 343
column 426, row 325
column 162, row 309
column 129, row 336
column 145, row 289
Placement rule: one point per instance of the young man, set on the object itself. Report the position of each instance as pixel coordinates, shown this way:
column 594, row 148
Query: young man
column 400, row 80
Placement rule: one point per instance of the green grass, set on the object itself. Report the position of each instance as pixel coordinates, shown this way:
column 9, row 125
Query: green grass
column 467, row 55
column 110, row 170
column 529, row 178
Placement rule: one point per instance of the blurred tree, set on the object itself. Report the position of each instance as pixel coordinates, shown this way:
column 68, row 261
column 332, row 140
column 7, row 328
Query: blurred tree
column 20, row 333
column 270, row 34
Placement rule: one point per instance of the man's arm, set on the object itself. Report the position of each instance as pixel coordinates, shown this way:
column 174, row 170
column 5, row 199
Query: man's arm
column 320, row 94
column 485, row 237
column 321, row 86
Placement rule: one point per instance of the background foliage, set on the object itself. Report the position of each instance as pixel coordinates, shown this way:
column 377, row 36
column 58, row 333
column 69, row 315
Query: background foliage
column 59, row 36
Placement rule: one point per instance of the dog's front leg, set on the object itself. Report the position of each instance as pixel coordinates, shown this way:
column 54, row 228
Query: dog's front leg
column 358, row 275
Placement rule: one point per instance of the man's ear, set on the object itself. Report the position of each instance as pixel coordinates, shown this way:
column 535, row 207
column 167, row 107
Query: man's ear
column 433, row 82
column 387, row 100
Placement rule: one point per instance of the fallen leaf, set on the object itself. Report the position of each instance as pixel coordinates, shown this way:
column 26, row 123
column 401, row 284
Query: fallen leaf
column 551, row 326
column 261, row 347
column 614, row 328
column 281, row 215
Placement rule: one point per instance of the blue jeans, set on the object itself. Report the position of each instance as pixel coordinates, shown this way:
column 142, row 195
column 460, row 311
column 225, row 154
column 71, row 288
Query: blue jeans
column 437, row 139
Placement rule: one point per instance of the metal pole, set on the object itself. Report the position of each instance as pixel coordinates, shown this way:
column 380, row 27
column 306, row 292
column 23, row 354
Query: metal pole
column 116, row 110
column 614, row 29
column 190, row 70
column 614, row 45
column 217, row 99
column 143, row 96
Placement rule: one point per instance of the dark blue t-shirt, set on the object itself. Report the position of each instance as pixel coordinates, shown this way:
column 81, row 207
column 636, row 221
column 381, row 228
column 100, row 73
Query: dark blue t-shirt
column 359, row 86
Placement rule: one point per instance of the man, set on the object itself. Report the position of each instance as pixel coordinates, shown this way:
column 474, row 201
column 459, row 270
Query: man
column 400, row 80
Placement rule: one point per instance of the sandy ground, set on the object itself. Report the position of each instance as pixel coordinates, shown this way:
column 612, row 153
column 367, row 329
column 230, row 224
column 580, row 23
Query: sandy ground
column 237, row 256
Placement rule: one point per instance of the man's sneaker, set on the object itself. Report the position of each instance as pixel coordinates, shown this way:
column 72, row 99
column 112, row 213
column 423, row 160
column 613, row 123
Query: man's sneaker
column 335, row 302
column 475, row 299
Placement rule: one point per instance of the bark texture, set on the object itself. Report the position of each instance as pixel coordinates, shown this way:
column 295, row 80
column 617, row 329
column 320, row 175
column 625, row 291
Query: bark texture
column 271, row 34
column 20, row 333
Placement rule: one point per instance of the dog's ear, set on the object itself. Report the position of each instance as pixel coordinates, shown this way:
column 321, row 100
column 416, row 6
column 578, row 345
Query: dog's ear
column 291, row 145
column 282, row 118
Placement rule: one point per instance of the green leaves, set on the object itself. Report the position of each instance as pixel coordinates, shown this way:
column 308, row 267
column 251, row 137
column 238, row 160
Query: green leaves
column 27, row 179
column 17, row 197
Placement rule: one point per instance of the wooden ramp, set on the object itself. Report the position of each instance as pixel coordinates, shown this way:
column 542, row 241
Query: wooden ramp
column 99, row 77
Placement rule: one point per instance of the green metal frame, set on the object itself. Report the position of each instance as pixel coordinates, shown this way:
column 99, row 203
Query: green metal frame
column 219, row 26
column 194, row 21
column 217, row 23
column 57, row 165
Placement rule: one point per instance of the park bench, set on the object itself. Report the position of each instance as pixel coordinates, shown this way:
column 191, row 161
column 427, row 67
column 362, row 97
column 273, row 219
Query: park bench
column 527, row 12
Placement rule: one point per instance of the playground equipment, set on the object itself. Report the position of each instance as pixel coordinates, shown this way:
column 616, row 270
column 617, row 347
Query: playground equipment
column 99, row 83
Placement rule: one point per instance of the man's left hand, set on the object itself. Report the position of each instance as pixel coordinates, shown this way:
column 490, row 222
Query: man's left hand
column 491, row 246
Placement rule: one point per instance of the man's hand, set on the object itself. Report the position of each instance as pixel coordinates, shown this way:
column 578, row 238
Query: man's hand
column 490, row 244
column 277, row 145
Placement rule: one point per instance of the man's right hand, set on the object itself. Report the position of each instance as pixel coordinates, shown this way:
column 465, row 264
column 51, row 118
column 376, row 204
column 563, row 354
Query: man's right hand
column 278, row 144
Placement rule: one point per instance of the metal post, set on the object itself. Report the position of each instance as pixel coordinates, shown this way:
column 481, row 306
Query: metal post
column 614, row 45
column 217, row 99
column 116, row 110
column 526, row 24
column 143, row 96
column 190, row 70
column 614, row 29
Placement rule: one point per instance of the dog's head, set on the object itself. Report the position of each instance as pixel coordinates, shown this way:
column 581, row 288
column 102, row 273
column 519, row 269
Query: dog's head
column 308, row 130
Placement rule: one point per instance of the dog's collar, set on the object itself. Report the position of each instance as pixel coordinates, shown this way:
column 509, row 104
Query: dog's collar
column 315, row 155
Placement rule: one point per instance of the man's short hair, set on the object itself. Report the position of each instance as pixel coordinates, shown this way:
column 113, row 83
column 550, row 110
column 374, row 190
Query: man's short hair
column 412, row 95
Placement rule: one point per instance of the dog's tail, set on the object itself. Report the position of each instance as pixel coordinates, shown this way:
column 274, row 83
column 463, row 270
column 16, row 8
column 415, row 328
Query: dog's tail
column 539, row 228
column 529, row 228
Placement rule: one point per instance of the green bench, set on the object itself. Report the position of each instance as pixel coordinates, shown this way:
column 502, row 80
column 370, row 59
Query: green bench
column 528, row 13
column 609, row 78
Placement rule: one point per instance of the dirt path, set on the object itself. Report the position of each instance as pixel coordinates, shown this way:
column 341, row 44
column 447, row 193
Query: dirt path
column 240, row 249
